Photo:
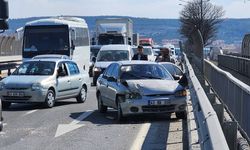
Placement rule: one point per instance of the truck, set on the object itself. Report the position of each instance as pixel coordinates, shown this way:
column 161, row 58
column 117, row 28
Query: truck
column 113, row 31
column 146, row 42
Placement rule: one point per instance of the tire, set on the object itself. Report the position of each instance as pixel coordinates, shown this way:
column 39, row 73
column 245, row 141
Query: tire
column 120, row 116
column 82, row 96
column 94, row 80
column 1, row 126
column 181, row 115
column 5, row 104
column 101, row 107
column 50, row 99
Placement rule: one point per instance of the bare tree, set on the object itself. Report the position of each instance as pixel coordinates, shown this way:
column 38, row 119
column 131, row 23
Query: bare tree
column 203, row 16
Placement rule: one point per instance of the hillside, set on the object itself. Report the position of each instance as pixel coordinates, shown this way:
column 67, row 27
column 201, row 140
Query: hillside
column 231, row 30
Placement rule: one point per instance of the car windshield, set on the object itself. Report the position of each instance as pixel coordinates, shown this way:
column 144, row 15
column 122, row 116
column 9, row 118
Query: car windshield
column 144, row 71
column 113, row 55
column 172, row 69
column 35, row 68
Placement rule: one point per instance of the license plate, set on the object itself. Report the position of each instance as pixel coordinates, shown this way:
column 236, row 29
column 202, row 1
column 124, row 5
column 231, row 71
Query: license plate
column 17, row 94
column 157, row 102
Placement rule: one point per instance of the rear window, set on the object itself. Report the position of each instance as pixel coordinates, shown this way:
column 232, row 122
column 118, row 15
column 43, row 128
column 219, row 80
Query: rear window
column 113, row 55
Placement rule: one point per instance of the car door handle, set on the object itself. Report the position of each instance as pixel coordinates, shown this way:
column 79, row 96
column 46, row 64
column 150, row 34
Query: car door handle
column 80, row 79
column 68, row 81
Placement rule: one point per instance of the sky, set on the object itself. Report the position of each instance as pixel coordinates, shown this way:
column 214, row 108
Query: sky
column 134, row 8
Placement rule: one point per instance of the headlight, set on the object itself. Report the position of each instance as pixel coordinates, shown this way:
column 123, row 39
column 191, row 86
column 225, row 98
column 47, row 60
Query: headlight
column 36, row 86
column 2, row 85
column 97, row 69
column 181, row 93
column 133, row 96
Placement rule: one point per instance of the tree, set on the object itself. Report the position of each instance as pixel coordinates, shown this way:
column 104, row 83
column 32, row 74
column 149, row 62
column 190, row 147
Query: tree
column 203, row 16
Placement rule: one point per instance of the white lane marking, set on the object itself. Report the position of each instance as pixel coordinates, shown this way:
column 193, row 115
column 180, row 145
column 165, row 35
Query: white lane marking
column 29, row 112
column 65, row 128
column 4, row 124
column 140, row 138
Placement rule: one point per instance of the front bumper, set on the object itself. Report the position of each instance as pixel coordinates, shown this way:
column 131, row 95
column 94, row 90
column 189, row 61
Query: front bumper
column 153, row 105
column 26, row 96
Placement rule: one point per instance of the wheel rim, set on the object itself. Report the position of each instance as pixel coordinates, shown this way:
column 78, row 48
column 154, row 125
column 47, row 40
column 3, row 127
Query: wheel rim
column 83, row 94
column 50, row 99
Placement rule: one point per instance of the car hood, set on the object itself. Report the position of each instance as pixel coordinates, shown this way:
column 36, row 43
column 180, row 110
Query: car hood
column 154, row 86
column 24, row 81
column 103, row 64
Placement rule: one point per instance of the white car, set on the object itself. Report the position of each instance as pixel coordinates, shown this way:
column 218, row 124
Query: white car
column 147, row 50
column 109, row 54
column 44, row 79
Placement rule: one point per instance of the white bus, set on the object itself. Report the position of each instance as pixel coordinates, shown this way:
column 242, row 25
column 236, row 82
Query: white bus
column 59, row 35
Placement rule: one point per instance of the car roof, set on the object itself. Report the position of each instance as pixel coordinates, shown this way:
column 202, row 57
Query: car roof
column 116, row 47
column 136, row 62
column 56, row 60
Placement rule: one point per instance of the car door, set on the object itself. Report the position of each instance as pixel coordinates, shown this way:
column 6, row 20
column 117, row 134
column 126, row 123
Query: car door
column 103, row 87
column 63, row 81
column 112, row 86
column 75, row 78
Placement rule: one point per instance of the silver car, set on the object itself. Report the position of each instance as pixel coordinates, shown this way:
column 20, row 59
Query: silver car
column 140, row 87
column 44, row 80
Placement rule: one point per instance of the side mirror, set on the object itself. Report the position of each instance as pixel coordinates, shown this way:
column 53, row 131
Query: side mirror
column 93, row 59
column 183, row 81
column 111, row 79
column 60, row 73
column 176, row 77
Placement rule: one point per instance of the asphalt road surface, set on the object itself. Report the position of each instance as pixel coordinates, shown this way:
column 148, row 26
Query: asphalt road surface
column 73, row 126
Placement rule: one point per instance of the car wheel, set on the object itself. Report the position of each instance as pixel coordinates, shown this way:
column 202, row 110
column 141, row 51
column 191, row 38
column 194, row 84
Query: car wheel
column 181, row 115
column 6, row 104
column 82, row 96
column 94, row 80
column 101, row 107
column 120, row 116
column 1, row 127
column 50, row 99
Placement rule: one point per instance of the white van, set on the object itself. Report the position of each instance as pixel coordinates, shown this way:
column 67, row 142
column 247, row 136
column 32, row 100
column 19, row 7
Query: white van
column 109, row 54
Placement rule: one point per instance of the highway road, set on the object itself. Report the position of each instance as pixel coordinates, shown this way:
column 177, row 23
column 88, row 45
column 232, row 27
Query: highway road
column 74, row 126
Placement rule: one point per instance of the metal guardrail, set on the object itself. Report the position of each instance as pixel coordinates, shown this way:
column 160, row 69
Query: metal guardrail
column 238, row 64
column 210, row 132
column 233, row 93
column 9, row 62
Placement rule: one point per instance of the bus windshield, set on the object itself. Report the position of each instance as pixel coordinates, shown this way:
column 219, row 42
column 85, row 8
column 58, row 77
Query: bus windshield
column 45, row 39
